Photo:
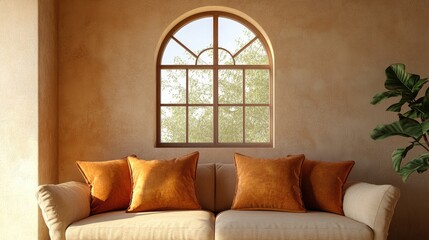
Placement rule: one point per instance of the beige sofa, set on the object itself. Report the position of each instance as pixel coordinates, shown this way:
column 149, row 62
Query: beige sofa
column 368, row 210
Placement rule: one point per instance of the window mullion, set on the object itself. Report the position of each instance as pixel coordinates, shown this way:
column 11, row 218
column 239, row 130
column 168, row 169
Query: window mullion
column 187, row 105
column 215, row 80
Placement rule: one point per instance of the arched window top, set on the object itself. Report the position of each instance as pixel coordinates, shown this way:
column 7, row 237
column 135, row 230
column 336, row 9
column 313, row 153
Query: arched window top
column 193, row 42
column 214, row 83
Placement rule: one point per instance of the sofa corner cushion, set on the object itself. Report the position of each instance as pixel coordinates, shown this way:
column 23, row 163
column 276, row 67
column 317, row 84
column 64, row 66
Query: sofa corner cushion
column 189, row 224
column 241, row 225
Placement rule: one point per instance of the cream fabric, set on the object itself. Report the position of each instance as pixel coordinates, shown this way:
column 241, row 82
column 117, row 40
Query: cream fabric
column 161, row 225
column 271, row 225
column 63, row 204
column 371, row 204
column 205, row 185
column 226, row 181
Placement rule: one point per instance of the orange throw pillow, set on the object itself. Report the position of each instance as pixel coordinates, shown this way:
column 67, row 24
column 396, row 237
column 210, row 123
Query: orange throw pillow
column 323, row 183
column 164, row 184
column 268, row 184
column 110, row 184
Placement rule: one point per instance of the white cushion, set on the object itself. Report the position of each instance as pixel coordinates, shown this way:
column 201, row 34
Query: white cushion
column 271, row 225
column 162, row 225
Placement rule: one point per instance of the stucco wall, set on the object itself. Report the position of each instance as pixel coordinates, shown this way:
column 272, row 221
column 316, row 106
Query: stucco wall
column 48, row 98
column 18, row 119
column 330, row 58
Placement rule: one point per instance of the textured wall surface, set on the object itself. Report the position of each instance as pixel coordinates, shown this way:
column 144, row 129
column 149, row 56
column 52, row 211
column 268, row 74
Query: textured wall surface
column 330, row 58
column 18, row 119
column 48, row 98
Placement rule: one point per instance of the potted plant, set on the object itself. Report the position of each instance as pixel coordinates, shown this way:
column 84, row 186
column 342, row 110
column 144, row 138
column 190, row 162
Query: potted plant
column 413, row 118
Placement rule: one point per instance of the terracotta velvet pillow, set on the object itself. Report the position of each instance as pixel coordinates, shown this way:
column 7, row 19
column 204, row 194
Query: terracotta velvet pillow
column 164, row 184
column 110, row 184
column 323, row 183
column 268, row 184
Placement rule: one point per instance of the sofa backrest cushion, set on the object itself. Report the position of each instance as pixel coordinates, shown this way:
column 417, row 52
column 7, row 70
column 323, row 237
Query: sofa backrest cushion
column 226, row 179
column 205, row 186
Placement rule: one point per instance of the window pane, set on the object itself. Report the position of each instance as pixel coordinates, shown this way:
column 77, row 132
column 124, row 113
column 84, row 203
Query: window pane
column 230, row 124
column 257, row 124
column 230, row 86
column 197, row 35
column 254, row 54
column 174, row 54
column 201, row 86
column 233, row 35
column 225, row 58
column 206, row 58
column 201, row 124
column 173, row 86
column 257, row 86
column 173, row 124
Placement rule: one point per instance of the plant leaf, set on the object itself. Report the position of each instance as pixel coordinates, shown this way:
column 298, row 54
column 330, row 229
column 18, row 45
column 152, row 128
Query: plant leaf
column 419, row 85
column 395, row 107
column 419, row 164
column 425, row 126
column 384, row 95
column 399, row 80
column 405, row 127
column 411, row 114
column 398, row 155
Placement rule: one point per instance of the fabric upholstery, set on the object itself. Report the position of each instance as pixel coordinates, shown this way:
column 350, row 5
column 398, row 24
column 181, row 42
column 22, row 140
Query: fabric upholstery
column 268, row 184
column 162, row 225
column 371, row 204
column 63, row 204
column 323, row 183
column 110, row 184
column 205, row 186
column 270, row 225
column 226, row 181
column 164, row 184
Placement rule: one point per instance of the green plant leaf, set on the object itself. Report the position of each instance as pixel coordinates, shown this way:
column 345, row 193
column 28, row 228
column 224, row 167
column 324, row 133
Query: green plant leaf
column 399, row 79
column 384, row 95
column 425, row 126
column 398, row 155
column 396, row 107
column 405, row 127
column 419, row 84
column 411, row 114
column 419, row 164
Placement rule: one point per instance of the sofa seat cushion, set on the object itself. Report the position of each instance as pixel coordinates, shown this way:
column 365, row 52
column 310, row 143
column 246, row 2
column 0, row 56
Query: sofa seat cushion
column 270, row 225
column 161, row 225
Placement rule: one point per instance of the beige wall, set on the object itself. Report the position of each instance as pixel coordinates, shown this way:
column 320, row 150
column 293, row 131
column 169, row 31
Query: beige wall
column 18, row 119
column 329, row 58
column 48, row 98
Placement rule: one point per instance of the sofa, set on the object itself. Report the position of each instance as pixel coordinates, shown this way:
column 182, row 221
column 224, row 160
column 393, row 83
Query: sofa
column 368, row 210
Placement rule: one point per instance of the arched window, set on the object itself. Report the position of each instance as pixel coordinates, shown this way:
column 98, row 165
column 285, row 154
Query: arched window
column 214, row 83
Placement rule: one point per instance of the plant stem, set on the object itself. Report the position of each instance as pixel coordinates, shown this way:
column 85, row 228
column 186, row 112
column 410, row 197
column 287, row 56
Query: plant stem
column 426, row 139
column 418, row 142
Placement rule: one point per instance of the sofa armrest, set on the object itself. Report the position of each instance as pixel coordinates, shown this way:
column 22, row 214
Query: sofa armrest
column 63, row 204
column 371, row 204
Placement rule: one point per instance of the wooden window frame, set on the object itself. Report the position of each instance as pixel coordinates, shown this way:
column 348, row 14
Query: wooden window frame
column 215, row 67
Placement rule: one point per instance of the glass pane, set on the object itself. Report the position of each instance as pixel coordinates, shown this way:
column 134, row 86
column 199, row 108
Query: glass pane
column 233, row 35
column 173, row 124
column 201, row 86
column 225, row 58
column 201, row 124
column 257, row 86
column 257, row 124
column 230, row 124
column 174, row 54
column 206, row 58
column 173, row 86
column 230, row 86
column 254, row 54
column 197, row 35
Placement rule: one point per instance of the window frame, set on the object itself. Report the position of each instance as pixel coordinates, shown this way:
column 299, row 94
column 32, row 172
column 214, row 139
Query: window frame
column 215, row 67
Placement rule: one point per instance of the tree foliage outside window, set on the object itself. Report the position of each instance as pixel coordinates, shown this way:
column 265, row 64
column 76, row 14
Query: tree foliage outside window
column 214, row 84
